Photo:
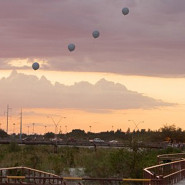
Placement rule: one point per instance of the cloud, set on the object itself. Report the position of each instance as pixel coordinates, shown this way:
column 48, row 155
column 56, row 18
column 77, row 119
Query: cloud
column 146, row 42
column 28, row 91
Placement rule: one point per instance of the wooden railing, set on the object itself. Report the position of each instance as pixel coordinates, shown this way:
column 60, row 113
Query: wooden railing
column 29, row 176
column 20, row 175
column 170, row 157
column 167, row 174
column 162, row 174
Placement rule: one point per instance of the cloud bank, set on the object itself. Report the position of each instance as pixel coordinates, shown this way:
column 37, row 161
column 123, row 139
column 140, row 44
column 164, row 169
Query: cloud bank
column 20, row 90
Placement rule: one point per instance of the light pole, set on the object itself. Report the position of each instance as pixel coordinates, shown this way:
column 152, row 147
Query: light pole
column 28, row 130
column 0, row 126
column 45, row 128
column 13, row 128
column 90, row 128
column 33, row 127
column 60, row 130
column 66, row 128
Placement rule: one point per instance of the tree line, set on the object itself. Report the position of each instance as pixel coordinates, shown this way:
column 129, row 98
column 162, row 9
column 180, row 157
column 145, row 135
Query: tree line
column 168, row 133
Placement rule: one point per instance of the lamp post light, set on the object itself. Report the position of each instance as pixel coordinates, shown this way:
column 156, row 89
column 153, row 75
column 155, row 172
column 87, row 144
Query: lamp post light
column 28, row 130
column 66, row 128
column 45, row 129
column 33, row 127
column 90, row 128
column 13, row 128
column 60, row 130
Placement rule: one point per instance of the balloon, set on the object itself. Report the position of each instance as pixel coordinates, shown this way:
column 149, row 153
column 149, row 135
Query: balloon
column 125, row 11
column 71, row 47
column 96, row 34
column 35, row 65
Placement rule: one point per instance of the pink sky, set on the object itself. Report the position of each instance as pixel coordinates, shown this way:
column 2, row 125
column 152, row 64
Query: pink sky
column 146, row 42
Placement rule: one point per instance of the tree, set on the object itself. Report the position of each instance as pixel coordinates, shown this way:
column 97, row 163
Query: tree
column 3, row 134
column 49, row 135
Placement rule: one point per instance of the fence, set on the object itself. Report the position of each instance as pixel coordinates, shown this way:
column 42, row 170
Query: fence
column 170, row 157
column 29, row 176
column 167, row 174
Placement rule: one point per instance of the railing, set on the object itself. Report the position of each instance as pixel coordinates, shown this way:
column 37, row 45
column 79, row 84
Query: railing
column 167, row 174
column 162, row 174
column 170, row 157
column 29, row 180
column 29, row 176
column 19, row 175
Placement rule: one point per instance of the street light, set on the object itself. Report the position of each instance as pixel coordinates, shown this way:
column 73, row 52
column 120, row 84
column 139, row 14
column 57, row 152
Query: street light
column 90, row 128
column 45, row 128
column 13, row 128
column 66, row 128
column 33, row 127
column 60, row 130
column 28, row 130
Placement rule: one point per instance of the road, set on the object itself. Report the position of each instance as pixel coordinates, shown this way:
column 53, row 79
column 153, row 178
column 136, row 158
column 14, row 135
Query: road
column 81, row 144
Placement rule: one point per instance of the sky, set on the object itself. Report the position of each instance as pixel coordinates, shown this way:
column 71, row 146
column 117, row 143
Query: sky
column 133, row 71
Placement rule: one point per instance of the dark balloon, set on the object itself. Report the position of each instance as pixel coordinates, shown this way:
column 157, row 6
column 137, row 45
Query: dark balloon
column 125, row 11
column 96, row 34
column 35, row 65
column 71, row 47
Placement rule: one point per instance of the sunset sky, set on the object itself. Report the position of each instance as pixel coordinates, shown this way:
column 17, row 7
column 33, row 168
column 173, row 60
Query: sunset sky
column 134, row 71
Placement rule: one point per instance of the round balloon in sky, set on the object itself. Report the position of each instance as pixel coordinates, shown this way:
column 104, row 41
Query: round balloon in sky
column 125, row 11
column 71, row 47
column 96, row 34
column 35, row 65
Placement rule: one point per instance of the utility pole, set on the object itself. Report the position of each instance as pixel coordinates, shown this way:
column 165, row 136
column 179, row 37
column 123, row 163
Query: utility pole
column 56, row 124
column 21, row 125
column 7, row 116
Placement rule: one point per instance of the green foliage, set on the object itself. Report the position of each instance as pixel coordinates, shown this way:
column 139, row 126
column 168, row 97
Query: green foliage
column 13, row 147
column 102, row 163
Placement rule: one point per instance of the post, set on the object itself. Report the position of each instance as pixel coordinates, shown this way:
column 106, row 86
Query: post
column 7, row 116
column 21, row 125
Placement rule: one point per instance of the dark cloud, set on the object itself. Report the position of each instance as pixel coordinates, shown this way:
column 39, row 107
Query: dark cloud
column 28, row 91
column 149, row 41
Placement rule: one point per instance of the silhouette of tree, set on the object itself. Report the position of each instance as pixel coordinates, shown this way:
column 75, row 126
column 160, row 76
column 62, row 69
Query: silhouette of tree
column 3, row 134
